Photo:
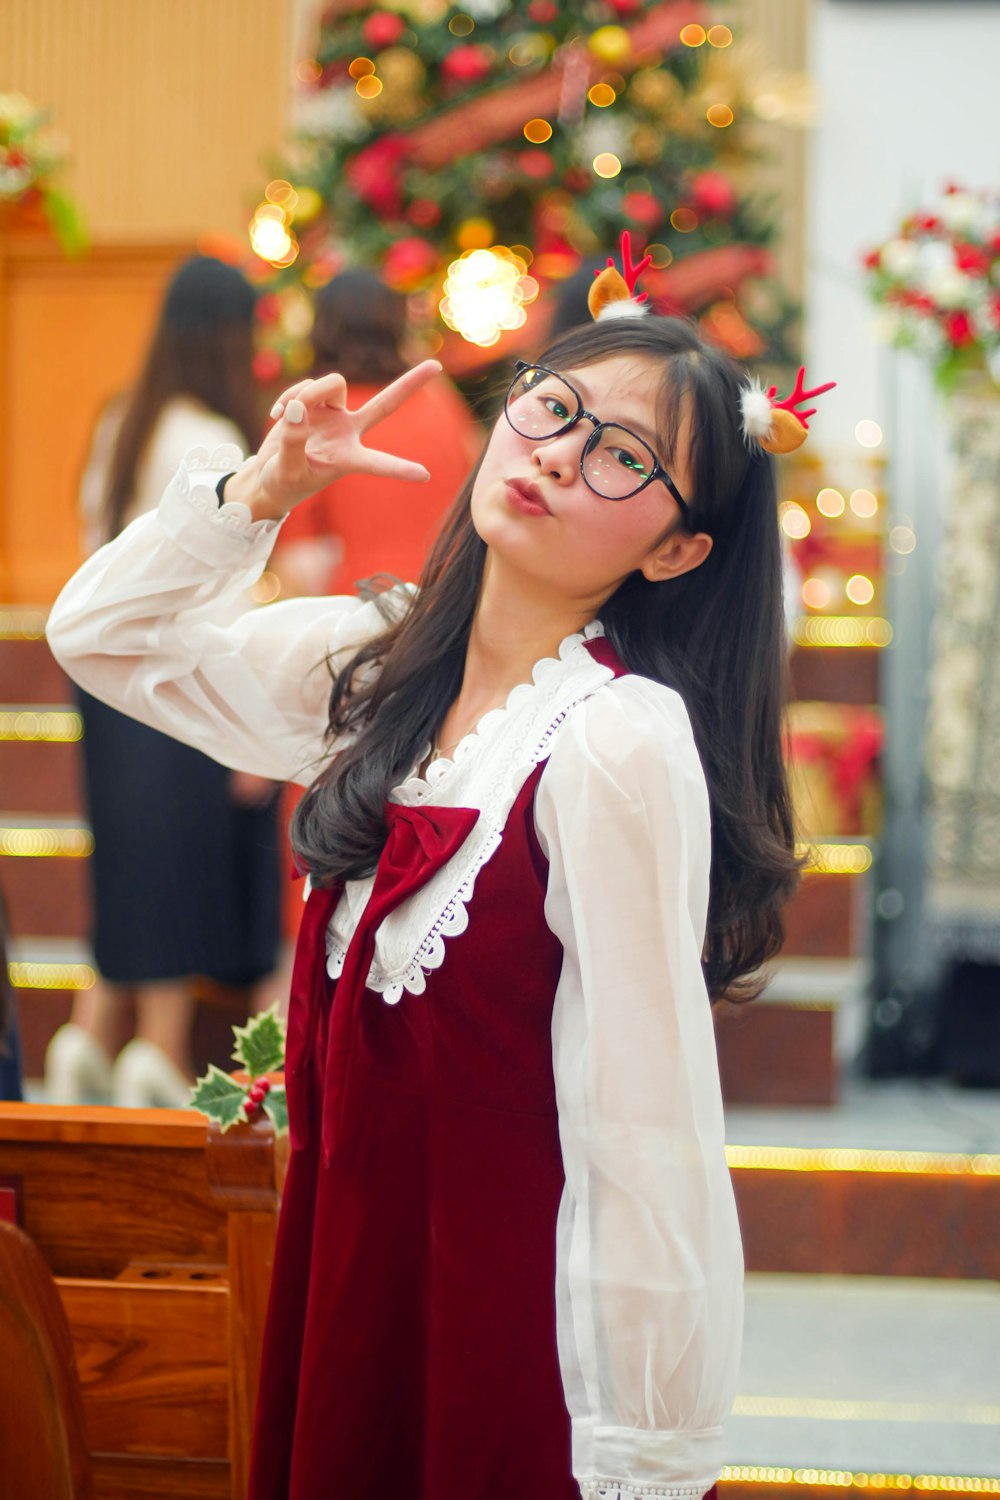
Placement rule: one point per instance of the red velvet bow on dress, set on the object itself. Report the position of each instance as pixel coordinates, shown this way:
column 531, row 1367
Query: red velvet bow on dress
column 420, row 840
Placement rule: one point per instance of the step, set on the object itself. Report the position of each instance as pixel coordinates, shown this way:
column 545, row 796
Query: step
column 43, row 874
column 866, row 1379
column 29, row 673
column 790, row 1045
column 41, row 769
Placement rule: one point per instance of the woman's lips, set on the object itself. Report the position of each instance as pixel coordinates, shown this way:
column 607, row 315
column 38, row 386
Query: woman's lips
column 526, row 497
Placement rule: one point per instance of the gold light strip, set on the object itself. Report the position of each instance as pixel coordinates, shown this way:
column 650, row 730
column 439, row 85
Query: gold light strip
column 22, row 624
column 841, row 630
column 855, row 1159
column 822, row 1409
column 46, row 843
column 952, row 1484
column 835, row 859
column 58, row 726
column 37, row 976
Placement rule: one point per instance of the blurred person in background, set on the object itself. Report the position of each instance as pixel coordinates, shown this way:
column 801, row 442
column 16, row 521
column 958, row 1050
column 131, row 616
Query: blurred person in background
column 362, row 525
column 185, row 870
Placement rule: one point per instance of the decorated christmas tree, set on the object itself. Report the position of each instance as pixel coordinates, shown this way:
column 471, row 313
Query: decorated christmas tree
column 479, row 153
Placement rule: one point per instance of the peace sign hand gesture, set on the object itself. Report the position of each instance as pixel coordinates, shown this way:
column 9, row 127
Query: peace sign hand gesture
column 317, row 439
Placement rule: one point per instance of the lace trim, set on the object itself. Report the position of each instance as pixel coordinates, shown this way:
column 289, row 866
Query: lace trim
column 225, row 458
column 498, row 801
column 613, row 1489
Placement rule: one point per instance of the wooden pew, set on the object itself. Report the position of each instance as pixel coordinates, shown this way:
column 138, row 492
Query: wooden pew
column 159, row 1232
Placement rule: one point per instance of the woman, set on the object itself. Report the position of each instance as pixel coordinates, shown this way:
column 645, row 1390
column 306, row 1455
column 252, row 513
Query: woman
column 185, row 864
column 547, row 820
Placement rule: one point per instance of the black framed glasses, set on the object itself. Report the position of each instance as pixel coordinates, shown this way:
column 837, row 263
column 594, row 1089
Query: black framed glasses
column 615, row 463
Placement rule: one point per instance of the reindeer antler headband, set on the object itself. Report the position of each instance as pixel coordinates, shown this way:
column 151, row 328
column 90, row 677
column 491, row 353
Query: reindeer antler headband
column 774, row 425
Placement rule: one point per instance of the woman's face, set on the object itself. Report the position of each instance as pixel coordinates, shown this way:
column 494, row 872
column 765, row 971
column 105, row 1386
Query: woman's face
column 536, row 513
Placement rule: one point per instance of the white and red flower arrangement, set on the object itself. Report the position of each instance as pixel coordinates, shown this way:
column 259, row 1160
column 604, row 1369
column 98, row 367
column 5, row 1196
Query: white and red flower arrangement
column 937, row 283
column 31, row 158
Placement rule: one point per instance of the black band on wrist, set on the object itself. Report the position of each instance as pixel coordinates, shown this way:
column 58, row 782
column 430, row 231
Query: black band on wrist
column 220, row 487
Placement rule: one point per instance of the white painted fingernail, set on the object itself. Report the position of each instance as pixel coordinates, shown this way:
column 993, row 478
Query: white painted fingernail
column 295, row 411
column 277, row 409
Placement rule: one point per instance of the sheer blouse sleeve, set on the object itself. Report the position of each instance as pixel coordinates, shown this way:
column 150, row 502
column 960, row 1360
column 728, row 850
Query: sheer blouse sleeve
column 650, row 1268
column 160, row 624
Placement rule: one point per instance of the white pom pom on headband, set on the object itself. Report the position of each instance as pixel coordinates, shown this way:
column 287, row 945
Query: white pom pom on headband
column 776, row 426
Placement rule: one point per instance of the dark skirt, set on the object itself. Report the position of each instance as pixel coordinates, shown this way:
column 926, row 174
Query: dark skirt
column 184, row 880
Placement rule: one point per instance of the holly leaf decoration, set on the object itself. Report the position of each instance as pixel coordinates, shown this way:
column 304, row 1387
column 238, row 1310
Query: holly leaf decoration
column 260, row 1044
column 220, row 1097
column 275, row 1106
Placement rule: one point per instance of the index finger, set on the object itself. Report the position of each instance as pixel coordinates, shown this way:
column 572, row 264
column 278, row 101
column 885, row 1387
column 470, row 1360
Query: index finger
column 395, row 394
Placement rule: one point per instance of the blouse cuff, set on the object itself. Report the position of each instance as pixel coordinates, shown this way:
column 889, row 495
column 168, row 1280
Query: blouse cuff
column 626, row 1463
column 221, row 535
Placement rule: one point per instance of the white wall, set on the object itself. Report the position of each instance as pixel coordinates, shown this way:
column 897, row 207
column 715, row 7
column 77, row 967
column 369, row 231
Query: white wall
column 909, row 98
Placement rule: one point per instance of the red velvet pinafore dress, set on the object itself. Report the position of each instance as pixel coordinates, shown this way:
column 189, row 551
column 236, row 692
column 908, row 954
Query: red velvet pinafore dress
column 410, row 1350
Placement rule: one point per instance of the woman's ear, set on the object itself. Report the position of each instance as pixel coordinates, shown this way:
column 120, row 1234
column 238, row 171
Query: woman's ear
column 678, row 553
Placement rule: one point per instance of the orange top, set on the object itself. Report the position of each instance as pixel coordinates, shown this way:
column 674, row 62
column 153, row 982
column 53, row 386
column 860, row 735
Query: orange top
column 388, row 525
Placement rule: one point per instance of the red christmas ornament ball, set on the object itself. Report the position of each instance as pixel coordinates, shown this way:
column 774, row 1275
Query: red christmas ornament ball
column 642, row 208
column 713, row 196
column 470, row 63
column 408, row 262
column 424, row 213
column 383, row 28
column 536, row 164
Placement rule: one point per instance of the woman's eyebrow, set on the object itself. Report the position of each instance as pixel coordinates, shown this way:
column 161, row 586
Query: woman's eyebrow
column 638, row 427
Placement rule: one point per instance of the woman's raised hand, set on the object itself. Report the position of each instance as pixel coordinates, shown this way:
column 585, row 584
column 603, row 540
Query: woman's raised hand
column 317, row 439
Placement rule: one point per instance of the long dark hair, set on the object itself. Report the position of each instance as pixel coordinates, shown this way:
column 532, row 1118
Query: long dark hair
column 360, row 324
column 716, row 635
column 202, row 347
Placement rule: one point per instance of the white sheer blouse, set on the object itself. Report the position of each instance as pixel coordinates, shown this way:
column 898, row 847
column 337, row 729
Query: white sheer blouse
column 649, row 1291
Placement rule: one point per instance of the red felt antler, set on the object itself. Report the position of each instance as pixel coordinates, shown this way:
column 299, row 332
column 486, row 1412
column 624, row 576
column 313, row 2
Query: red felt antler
column 798, row 395
column 630, row 272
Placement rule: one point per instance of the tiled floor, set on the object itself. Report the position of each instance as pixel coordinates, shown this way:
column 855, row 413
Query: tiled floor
column 859, row 1373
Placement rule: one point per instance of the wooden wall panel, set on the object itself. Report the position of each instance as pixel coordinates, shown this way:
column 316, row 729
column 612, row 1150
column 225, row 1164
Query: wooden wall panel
column 74, row 332
column 170, row 106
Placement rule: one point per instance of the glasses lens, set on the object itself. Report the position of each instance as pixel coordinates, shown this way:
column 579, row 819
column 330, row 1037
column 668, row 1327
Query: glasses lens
column 617, row 463
column 539, row 404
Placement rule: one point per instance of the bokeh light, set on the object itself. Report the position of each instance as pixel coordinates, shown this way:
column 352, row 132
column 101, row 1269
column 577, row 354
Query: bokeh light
column 607, row 164
column 720, row 36
column 902, row 539
column 537, row 131
column 830, row 502
column 602, row 94
column 694, row 35
column 864, row 504
column 719, row 115
column 485, row 294
column 868, row 433
column 860, row 590
column 816, row 593
column 795, row 522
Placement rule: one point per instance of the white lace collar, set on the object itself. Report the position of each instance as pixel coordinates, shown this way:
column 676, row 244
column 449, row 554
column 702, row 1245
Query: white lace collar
column 487, row 771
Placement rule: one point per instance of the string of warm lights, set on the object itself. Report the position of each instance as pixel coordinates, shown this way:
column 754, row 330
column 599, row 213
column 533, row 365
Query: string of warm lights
column 51, row 976
column 841, row 630
column 22, row 624
column 857, row 1159
column 29, row 842
column 951, row 1484
column 55, row 725
column 835, row 859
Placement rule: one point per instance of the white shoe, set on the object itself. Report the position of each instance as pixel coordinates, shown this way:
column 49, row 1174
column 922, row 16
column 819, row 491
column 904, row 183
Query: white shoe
column 77, row 1068
column 143, row 1077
